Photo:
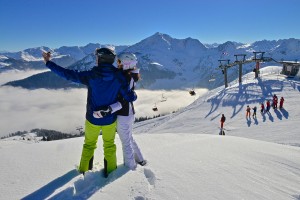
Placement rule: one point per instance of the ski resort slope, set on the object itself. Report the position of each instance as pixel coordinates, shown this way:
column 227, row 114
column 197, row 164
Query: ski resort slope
column 187, row 159
column 203, row 116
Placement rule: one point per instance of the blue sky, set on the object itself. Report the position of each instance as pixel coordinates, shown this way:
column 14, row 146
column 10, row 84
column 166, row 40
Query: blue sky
column 54, row 23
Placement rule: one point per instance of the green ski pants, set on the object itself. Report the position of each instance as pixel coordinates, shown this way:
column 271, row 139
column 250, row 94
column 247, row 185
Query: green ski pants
column 90, row 144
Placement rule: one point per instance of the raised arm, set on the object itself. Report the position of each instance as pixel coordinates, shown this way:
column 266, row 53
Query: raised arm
column 78, row 77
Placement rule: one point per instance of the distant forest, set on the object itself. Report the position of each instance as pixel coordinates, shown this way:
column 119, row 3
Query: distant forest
column 49, row 135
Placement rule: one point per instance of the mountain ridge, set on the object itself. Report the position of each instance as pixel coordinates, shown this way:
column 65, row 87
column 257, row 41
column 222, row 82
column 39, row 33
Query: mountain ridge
column 171, row 63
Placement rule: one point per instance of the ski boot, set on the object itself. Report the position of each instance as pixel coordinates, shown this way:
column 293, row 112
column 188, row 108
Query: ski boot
column 105, row 174
column 91, row 163
column 142, row 163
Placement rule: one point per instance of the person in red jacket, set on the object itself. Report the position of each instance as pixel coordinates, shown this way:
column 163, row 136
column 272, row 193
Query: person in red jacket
column 281, row 103
column 262, row 108
column 268, row 106
column 223, row 118
column 248, row 113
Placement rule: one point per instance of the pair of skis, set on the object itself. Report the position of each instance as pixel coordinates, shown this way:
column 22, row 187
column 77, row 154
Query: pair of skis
column 222, row 132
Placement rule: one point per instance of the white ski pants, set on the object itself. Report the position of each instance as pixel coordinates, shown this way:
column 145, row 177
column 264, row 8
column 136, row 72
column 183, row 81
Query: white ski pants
column 131, row 151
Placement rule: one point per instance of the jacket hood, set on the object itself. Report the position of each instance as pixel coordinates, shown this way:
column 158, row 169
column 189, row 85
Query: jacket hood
column 105, row 71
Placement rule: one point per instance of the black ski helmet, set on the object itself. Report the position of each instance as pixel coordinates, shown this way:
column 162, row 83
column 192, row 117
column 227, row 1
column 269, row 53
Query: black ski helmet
column 105, row 55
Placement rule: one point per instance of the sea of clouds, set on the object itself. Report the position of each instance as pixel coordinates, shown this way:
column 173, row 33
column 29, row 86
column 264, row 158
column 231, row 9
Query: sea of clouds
column 64, row 110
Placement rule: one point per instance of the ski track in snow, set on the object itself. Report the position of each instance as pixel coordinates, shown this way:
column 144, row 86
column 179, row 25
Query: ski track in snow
column 83, row 187
column 142, row 189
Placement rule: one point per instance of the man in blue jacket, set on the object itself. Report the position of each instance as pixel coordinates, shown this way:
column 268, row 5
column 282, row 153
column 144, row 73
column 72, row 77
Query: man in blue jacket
column 104, row 82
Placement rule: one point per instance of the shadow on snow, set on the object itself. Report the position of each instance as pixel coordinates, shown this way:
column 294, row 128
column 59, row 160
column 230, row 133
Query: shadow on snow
column 82, row 188
column 48, row 189
column 251, row 93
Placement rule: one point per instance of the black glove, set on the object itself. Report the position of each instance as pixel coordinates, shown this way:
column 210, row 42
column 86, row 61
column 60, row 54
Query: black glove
column 102, row 112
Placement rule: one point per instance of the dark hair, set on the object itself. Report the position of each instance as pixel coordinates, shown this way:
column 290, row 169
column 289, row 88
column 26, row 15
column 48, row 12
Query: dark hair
column 135, row 76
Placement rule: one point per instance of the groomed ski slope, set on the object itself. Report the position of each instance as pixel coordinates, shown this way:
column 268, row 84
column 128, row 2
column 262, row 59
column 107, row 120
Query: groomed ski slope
column 203, row 116
column 187, row 159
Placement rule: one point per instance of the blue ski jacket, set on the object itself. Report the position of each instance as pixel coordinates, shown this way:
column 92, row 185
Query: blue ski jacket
column 104, row 83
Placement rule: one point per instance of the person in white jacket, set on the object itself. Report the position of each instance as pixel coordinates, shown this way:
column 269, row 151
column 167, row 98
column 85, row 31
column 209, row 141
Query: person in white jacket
column 125, row 113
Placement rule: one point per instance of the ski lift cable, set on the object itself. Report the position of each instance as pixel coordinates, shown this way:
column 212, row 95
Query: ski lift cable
column 189, row 82
column 169, row 96
column 174, row 93
column 164, row 98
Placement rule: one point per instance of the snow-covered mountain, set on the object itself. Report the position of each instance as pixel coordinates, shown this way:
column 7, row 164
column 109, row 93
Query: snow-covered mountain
column 258, row 158
column 34, row 54
column 7, row 63
column 32, row 58
column 170, row 63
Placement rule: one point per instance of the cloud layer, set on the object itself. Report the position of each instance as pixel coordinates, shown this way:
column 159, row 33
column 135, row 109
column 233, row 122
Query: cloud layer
column 64, row 110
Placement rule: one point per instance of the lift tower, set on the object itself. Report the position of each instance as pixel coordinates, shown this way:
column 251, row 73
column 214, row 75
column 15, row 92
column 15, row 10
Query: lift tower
column 258, row 60
column 224, row 70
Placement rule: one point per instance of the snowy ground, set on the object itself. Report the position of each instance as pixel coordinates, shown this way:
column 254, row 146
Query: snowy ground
column 257, row 159
column 203, row 116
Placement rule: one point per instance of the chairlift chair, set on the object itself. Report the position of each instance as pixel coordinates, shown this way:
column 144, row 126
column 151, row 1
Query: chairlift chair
column 192, row 92
column 155, row 108
column 212, row 78
column 163, row 98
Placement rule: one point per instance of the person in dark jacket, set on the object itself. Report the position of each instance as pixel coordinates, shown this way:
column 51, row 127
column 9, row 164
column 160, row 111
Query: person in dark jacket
column 104, row 83
column 254, row 111
column 275, row 101
column 131, row 152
